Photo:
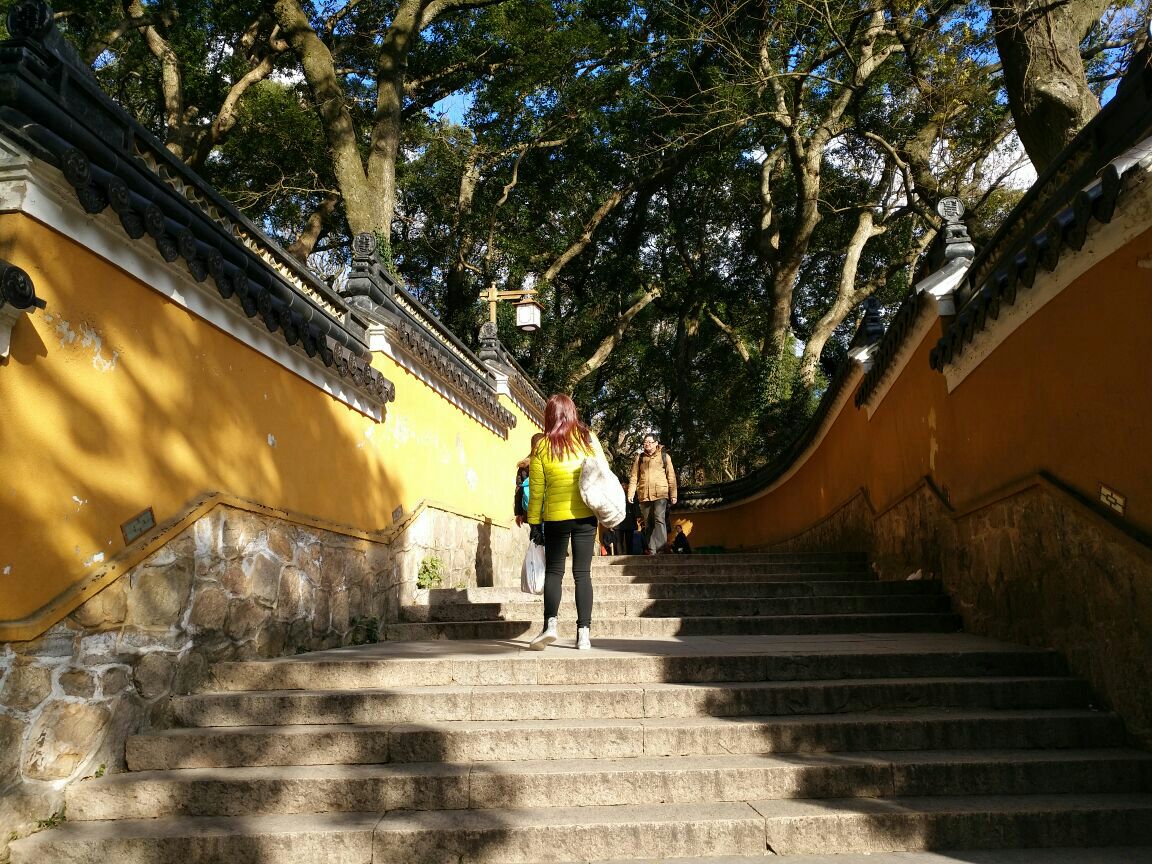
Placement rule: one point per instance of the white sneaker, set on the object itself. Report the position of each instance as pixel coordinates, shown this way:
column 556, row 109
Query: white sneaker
column 583, row 638
column 547, row 636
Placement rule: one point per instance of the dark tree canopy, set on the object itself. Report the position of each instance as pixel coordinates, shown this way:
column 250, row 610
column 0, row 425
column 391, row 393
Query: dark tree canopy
column 702, row 193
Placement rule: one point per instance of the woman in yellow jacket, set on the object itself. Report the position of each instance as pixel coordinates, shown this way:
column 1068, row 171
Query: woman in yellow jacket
column 554, row 501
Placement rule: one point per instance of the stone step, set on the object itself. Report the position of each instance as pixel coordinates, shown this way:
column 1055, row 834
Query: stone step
column 858, row 825
column 560, row 702
column 1085, row 855
column 525, row 629
column 485, row 741
column 855, row 825
column 701, row 590
column 328, row 838
column 627, row 661
column 727, row 607
column 674, row 560
column 608, row 782
column 644, row 573
column 632, row 833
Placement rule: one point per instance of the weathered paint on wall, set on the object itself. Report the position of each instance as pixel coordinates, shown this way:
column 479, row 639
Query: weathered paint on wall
column 115, row 399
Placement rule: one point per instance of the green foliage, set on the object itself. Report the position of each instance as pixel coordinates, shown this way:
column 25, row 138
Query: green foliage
column 57, row 818
column 642, row 131
column 431, row 573
column 365, row 631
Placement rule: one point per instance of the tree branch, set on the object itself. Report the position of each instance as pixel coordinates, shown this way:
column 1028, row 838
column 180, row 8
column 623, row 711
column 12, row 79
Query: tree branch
column 609, row 343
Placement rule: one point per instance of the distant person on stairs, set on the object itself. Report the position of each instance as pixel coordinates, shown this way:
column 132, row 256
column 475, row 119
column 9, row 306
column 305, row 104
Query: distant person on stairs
column 653, row 486
column 520, row 500
column 554, row 501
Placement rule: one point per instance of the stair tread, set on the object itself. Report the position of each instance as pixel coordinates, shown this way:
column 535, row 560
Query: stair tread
column 533, row 818
column 166, row 826
column 1095, row 855
column 640, row 763
column 791, row 808
column 619, row 785
column 661, row 686
column 484, row 650
column 892, row 715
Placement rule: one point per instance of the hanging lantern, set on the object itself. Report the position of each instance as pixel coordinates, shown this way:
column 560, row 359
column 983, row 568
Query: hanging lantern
column 528, row 314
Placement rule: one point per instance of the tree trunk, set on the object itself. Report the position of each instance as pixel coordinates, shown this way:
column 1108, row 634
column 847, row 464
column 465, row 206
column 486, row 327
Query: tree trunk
column 317, row 224
column 608, row 344
column 847, row 296
column 171, row 81
column 1039, row 46
column 361, row 201
column 459, row 296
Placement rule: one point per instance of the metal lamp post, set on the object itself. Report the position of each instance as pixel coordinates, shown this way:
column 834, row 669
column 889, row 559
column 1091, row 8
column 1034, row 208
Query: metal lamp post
column 528, row 310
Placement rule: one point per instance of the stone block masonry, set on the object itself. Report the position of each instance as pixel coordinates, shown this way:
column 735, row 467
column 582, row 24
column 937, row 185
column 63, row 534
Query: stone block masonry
column 234, row 585
column 1032, row 565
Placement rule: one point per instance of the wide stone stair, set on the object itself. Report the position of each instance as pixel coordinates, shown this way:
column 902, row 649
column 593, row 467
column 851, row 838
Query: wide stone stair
column 778, row 706
column 693, row 595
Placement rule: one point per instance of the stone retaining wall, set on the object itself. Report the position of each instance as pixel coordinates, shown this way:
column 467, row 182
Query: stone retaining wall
column 473, row 552
column 234, row 585
column 1036, row 567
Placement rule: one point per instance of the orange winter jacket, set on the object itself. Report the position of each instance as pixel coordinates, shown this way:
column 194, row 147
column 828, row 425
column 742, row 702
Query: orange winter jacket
column 554, row 485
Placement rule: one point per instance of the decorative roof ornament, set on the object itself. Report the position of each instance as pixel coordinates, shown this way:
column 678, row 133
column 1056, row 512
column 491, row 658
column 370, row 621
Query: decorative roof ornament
column 948, row 258
column 369, row 285
column 29, row 19
column 489, row 343
column 17, row 298
column 956, row 242
column 868, row 334
column 34, row 20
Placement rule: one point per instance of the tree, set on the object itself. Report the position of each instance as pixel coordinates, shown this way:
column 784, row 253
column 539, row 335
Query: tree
column 1039, row 42
column 702, row 193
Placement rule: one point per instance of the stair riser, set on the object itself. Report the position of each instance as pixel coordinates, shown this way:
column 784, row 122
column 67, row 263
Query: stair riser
column 400, row 840
column 731, row 607
column 411, row 743
column 394, row 844
column 244, row 709
column 610, row 561
column 799, row 625
column 301, row 847
column 533, row 668
column 150, row 799
column 871, row 833
column 912, row 734
column 664, row 576
column 570, row 843
column 1054, row 778
column 454, row 789
column 705, row 590
column 679, row 568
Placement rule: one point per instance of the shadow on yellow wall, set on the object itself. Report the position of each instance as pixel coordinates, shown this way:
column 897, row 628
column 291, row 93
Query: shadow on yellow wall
column 116, row 399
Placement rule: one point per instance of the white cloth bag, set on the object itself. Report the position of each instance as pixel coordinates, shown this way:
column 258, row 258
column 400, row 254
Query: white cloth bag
column 602, row 492
column 532, row 573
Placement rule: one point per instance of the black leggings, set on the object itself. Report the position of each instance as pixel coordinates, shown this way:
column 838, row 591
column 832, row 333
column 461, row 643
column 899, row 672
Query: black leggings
column 582, row 533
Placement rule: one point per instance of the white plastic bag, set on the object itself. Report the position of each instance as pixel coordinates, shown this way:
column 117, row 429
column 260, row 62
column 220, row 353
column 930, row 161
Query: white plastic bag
column 532, row 574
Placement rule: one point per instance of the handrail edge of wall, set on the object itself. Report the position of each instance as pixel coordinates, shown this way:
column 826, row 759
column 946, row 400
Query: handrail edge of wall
column 1133, row 541
column 47, row 616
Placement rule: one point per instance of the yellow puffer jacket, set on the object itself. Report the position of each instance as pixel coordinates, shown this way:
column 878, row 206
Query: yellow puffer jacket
column 554, row 485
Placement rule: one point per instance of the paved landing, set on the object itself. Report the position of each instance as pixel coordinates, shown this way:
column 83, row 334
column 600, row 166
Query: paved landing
column 682, row 646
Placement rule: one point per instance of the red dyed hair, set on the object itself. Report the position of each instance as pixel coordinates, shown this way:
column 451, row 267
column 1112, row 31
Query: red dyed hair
column 563, row 429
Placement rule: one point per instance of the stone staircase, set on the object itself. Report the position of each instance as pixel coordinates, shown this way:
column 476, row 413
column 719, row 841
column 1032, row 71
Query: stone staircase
column 732, row 708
